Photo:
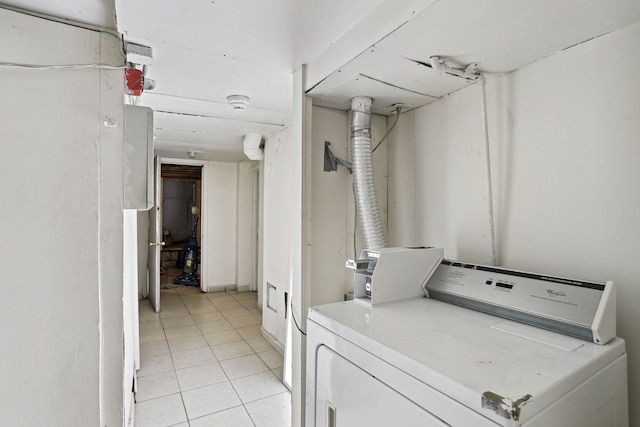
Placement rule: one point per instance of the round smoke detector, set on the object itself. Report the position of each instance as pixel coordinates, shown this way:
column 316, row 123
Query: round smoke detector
column 238, row 102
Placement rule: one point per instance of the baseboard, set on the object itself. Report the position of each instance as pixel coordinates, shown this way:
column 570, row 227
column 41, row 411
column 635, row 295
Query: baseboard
column 271, row 339
column 220, row 288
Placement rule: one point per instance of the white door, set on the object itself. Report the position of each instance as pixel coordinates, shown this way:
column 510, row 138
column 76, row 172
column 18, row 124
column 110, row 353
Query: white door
column 348, row 396
column 155, row 238
column 347, row 386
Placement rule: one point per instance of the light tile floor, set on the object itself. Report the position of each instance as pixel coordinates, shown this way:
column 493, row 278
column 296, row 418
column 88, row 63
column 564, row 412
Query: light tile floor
column 204, row 362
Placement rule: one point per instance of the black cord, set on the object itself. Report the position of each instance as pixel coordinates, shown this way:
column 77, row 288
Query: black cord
column 293, row 315
column 389, row 131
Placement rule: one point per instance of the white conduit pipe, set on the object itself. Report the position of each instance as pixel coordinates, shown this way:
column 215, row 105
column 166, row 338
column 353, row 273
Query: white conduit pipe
column 487, row 161
column 363, row 180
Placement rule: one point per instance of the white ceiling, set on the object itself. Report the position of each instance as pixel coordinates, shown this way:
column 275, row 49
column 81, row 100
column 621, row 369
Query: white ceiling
column 212, row 49
column 500, row 35
column 99, row 13
column 206, row 50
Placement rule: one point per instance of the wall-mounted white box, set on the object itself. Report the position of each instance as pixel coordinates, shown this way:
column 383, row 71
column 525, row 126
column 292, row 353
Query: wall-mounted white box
column 138, row 157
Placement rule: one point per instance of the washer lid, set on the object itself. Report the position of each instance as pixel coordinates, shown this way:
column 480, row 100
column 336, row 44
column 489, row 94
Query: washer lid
column 489, row 364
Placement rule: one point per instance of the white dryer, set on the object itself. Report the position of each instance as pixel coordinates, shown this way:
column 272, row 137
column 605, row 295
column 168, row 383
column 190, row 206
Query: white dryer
column 427, row 362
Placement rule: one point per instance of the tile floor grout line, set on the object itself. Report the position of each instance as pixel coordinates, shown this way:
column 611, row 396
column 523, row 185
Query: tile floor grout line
column 223, row 371
column 249, row 414
column 242, row 339
column 242, row 402
column 184, row 407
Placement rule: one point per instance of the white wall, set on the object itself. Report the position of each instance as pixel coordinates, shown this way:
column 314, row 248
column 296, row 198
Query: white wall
column 281, row 206
column 332, row 212
column 130, row 308
column 221, row 218
column 226, row 221
column 61, row 228
column 142, row 228
column 260, row 201
column 333, row 206
column 401, row 203
column 308, row 223
column 177, row 201
column 329, row 198
column 565, row 135
column 244, row 255
column 109, row 160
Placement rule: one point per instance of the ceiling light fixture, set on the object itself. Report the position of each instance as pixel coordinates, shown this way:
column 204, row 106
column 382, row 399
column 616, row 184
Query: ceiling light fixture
column 238, row 102
column 192, row 154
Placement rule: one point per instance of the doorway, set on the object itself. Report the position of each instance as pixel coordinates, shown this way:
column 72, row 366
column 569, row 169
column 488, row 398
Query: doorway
column 181, row 189
column 194, row 172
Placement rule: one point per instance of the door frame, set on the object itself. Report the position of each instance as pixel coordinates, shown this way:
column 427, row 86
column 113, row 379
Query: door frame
column 256, row 238
column 204, row 243
column 154, row 250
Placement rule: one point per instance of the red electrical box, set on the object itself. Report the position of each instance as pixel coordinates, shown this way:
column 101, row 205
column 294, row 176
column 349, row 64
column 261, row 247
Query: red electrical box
column 134, row 81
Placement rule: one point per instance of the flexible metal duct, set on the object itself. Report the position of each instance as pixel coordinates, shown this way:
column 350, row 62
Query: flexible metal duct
column 363, row 182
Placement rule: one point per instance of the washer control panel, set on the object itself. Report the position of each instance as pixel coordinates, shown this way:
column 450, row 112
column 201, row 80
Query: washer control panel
column 565, row 305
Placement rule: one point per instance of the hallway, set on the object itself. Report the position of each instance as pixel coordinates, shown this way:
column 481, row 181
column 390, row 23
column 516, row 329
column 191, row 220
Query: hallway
column 204, row 362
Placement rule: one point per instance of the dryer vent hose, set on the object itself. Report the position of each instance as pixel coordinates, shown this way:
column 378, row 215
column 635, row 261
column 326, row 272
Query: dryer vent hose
column 363, row 181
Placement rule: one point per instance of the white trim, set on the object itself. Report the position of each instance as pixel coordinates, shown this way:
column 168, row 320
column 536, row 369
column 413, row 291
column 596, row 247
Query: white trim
column 237, row 221
column 255, row 227
column 221, row 288
column 188, row 162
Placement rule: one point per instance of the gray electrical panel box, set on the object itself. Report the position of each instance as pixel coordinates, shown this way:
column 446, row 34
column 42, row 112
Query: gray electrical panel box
column 138, row 157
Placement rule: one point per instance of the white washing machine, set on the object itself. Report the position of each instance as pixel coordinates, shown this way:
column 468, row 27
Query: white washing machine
column 427, row 362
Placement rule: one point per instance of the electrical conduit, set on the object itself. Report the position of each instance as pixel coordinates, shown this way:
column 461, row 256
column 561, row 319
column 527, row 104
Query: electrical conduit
column 487, row 161
column 363, row 181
